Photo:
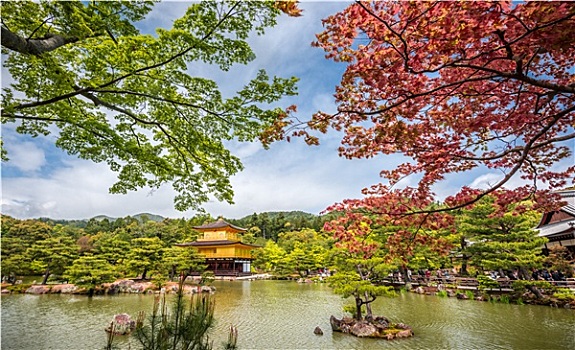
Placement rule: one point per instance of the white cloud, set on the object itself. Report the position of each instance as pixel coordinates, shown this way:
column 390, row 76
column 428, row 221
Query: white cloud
column 78, row 191
column 26, row 156
column 245, row 149
column 486, row 181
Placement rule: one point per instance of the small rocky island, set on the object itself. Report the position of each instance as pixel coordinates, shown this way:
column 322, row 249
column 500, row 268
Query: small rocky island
column 378, row 327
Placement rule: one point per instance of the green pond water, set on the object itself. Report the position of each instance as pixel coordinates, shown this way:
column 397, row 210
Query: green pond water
column 283, row 315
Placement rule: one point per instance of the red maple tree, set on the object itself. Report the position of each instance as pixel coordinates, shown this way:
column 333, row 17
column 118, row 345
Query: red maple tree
column 455, row 86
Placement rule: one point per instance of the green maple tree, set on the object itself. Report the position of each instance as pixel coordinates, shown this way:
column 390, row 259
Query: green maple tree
column 83, row 72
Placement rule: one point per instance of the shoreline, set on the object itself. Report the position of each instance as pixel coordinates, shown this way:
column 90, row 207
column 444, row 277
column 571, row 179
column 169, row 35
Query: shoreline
column 129, row 286
column 121, row 286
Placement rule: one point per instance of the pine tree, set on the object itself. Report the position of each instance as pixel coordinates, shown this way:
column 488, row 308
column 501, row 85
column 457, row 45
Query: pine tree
column 501, row 236
column 89, row 272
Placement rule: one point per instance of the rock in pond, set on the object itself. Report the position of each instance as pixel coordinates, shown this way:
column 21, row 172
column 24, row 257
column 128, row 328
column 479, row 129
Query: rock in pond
column 122, row 324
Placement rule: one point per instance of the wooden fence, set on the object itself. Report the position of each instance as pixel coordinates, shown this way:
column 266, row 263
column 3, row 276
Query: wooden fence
column 470, row 283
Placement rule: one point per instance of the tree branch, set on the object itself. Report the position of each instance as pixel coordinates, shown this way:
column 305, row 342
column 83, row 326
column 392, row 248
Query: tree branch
column 36, row 47
column 420, row 94
column 168, row 100
column 521, row 77
column 127, row 75
column 523, row 158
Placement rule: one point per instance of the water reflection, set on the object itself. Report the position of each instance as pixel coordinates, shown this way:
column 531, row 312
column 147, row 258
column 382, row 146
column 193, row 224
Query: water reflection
column 283, row 315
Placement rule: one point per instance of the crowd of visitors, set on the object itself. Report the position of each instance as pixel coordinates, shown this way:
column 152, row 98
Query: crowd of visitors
column 426, row 275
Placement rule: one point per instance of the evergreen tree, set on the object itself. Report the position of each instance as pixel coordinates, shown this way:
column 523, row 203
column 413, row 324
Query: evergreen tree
column 89, row 272
column 271, row 258
column 357, row 277
column 180, row 260
column 145, row 255
column 52, row 255
column 502, row 236
column 111, row 247
column 13, row 255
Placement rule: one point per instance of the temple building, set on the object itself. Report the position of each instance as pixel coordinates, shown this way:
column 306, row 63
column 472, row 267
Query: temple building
column 559, row 226
column 220, row 243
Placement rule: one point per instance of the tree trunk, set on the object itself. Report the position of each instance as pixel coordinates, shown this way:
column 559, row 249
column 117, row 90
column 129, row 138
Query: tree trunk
column 535, row 291
column 523, row 274
column 144, row 273
column 464, row 258
column 358, row 304
column 369, row 313
column 463, row 270
column 532, row 289
column 403, row 272
column 46, row 275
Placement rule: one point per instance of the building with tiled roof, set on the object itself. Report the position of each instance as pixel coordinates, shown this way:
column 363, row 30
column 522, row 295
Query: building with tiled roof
column 559, row 226
column 220, row 243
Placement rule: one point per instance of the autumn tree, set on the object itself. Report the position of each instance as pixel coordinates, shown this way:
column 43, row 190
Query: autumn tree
column 375, row 236
column 83, row 72
column 456, row 87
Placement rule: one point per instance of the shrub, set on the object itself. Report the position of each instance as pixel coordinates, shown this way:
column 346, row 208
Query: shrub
column 564, row 294
column 486, row 282
column 520, row 285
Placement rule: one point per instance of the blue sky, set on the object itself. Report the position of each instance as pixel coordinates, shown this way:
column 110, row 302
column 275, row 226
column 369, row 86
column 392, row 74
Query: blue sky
column 42, row 181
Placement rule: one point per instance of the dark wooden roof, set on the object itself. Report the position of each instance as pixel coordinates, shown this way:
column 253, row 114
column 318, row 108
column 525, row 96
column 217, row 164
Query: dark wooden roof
column 220, row 223
column 208, row 243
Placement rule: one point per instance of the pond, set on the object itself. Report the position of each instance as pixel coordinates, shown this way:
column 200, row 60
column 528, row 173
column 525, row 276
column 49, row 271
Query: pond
column 283, row 315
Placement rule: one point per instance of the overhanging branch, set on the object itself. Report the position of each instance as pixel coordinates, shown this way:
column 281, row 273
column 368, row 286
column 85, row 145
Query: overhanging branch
column 36, row 47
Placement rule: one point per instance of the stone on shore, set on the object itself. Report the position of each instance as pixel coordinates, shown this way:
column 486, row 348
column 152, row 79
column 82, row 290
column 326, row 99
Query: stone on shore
column 64, row 289
column 38, row 289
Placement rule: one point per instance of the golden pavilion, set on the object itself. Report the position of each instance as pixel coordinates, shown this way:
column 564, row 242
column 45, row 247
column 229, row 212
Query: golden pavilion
column 220, row 243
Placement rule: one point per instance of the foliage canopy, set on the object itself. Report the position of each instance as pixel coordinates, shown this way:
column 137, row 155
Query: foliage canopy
column 455, row 86
column 83, row 72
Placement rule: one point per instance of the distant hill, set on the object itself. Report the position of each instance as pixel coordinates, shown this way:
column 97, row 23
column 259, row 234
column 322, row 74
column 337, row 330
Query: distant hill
column 296, row 218
column 284, row 214
column 139, row 217
column 103, row 217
